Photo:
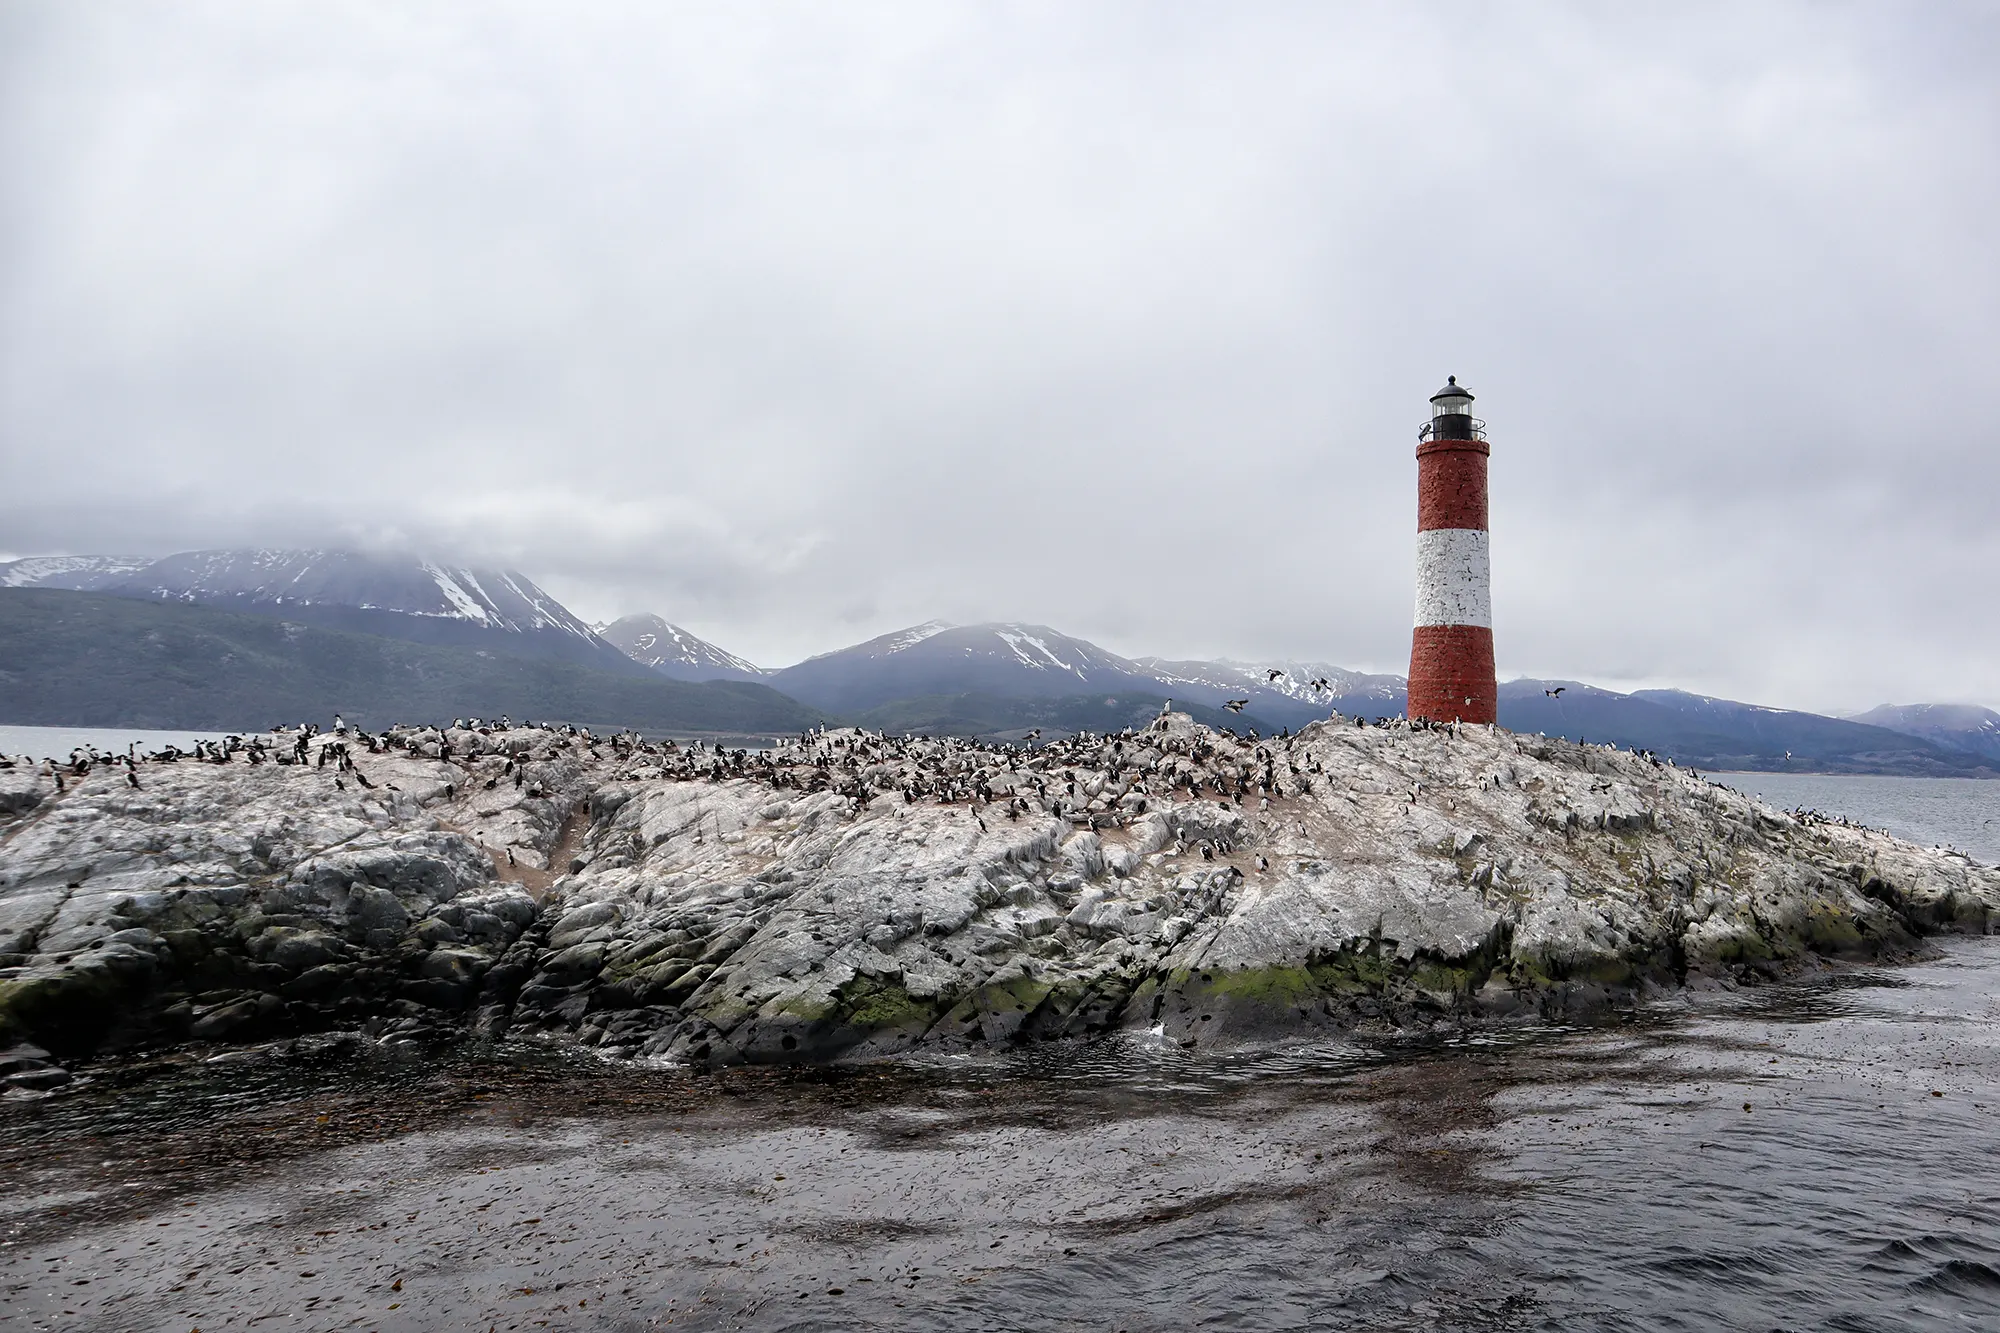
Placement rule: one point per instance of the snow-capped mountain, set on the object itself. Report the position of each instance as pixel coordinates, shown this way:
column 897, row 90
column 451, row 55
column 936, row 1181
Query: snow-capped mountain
column 1347, row 691
column 1021, row 661
column 1722, row 733
column 672, row 651
column 936, row 658
column 406, row 585
column 1965, row 727
column 399, row 596
column 79, row 573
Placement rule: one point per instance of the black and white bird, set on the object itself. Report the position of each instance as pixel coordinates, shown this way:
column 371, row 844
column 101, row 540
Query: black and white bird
column 1556, row 693
column 1235, row 705
column 1271, row 674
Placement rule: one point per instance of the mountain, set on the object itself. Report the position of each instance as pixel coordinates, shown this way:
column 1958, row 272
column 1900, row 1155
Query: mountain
column 1290, row 696
column 1013, row 661
column 1010, row 661
column 80, row 573
column 397, row 596
column 673, row 652
column 1713, row 733
column 993, row 717
column 98, row 659
column 1965, row 727
column 971, row 679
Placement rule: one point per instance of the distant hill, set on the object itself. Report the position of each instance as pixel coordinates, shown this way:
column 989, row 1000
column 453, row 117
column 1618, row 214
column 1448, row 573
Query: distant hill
column 1009, row 660
column 395, row 596
column 998, row 660
column 95, row 659
column 1965, row 727
column 1288, row 691
column 1722, row 734
column 674, row 652
column 989, row 715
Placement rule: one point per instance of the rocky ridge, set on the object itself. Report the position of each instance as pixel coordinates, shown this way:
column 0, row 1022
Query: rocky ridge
column 847, row 895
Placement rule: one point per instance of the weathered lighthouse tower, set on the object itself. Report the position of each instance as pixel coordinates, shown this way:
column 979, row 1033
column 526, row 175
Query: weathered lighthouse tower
column 1451, row 652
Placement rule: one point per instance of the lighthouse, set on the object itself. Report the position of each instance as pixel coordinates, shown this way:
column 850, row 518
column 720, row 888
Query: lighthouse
column 1451, row 650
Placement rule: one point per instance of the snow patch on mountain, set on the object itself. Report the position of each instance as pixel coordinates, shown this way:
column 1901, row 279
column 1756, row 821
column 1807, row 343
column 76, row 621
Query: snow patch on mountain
column 457, row 596
column 1014, row 639
column 916, row 634
column 78, row 573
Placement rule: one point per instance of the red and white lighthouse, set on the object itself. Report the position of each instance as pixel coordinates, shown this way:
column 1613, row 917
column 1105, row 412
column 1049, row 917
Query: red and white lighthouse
column 1451, row 651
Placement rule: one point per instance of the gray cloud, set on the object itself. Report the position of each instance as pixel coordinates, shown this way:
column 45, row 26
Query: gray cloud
column 799, row 324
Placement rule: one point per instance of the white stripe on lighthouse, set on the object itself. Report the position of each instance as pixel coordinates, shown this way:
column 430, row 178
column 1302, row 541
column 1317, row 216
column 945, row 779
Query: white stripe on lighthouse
column 1454, row 582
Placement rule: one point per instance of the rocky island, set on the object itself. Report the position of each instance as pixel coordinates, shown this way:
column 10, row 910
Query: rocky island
column 846, row 895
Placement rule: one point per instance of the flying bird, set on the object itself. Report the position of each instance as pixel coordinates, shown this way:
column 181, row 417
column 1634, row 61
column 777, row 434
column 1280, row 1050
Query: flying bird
column 1556, row 693
column 1271, row 675
column 1322, row 684
column 1235, row 705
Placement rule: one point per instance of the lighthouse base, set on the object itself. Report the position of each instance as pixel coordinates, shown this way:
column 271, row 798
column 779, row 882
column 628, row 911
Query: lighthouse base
column 1451, row 674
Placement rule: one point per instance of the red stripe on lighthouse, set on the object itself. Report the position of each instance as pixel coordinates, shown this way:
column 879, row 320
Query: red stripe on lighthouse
column 1451, row 674
column 1451, row 484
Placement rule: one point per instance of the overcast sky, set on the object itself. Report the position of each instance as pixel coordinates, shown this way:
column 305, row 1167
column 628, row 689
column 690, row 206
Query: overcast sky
column 799, row 323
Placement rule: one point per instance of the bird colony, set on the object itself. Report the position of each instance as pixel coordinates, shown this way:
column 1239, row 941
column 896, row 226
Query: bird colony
column 846, row 895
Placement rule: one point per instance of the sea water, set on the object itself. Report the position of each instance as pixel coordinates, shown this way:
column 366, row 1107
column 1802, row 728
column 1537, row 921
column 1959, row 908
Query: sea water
column 57, row 742
column 1956, row 812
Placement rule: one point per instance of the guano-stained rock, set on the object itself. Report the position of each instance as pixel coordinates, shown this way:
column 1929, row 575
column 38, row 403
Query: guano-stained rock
column 846, row 895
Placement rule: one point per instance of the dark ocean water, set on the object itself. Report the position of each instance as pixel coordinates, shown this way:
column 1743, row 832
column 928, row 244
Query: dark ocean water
column 1818, row 1154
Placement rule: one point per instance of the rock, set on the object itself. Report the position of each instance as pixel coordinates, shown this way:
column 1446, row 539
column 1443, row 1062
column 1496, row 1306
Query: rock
column 265, row 879
column 17, row 1058
column 39, row 1080
column 850, row 896
column 1084, row 854
column 458, row 966
column 21, row 791
column 297, row 950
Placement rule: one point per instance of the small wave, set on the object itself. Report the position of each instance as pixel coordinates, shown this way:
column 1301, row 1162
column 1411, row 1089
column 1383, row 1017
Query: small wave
column 1713, row 1265
column 1961, row 1277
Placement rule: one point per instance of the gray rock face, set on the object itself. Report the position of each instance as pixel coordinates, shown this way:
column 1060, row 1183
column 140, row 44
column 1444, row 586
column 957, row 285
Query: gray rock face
column 849, row 895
